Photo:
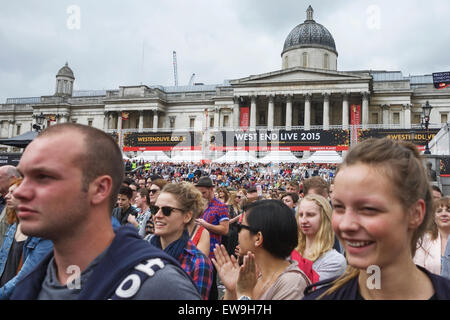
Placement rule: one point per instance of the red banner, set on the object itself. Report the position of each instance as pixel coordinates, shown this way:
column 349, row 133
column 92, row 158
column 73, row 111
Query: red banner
column 355, row 115
column 355, row 120
column 245, row 117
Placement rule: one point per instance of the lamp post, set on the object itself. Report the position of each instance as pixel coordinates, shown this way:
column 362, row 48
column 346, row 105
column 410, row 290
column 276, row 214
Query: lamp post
column 39, row 122
column 426, row 109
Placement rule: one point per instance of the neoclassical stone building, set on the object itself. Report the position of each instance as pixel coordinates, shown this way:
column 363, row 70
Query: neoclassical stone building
column 308, row 92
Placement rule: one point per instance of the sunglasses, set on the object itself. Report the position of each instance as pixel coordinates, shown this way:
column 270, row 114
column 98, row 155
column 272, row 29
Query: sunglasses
column 153, row 191
column 241, row 226
column 167, row 211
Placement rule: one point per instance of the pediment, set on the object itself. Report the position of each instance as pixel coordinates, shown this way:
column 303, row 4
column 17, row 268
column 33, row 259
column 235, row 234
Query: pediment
column 301, row 75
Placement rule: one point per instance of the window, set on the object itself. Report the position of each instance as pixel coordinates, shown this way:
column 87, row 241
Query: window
column 172, row 122
column 191, row 123
column 416, row 118
column 326, row 61
column 374, row 118
column 211, row 122
column 443, row 117
column 225, row 121
column 74, row 120
column 90, row 121
column 18, row 128
column 305, row 59
column 396, row 118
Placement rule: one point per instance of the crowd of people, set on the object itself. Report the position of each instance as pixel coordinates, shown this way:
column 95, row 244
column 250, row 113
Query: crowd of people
column 271, row 176
column 195, row 231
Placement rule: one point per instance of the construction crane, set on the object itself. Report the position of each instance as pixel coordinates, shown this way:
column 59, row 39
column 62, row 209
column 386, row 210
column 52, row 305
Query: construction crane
column 191, row 81
column 175, row 68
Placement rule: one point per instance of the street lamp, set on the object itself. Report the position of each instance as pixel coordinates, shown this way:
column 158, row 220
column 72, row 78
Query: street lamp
column 426, row 109
column 39, row 122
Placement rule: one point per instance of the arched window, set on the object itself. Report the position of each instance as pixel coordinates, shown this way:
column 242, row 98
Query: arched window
column 326, row 61
column 305, row 59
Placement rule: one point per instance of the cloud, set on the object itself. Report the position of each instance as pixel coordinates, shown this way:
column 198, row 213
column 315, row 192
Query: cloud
column 127, row 43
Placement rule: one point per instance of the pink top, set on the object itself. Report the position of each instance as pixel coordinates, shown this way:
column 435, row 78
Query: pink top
column 429, row 254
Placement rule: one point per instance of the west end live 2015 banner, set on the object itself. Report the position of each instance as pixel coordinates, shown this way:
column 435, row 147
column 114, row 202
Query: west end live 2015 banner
column 293, row 140
column 265, row 140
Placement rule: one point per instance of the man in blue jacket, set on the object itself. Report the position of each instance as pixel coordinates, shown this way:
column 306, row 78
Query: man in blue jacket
column 67, row 197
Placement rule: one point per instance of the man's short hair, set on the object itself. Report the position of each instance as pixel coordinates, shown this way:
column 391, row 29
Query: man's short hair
column 318, row 184
column 294, row 196
column 127, row 181
column 436, row 188
column 102, row 155
column 126, row 191
column 295, row 184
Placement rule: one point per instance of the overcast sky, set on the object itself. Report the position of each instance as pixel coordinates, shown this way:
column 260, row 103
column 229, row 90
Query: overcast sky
column 117, row 42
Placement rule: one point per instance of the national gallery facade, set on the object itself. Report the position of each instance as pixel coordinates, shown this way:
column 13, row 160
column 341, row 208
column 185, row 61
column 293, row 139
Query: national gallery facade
column 308, row 94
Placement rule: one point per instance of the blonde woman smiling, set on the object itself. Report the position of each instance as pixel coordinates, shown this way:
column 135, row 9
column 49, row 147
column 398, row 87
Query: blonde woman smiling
column 316, row 237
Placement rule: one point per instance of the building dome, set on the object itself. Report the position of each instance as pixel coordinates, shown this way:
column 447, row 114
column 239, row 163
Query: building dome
column 65, row 72
column 309, row 34
column 64, row 81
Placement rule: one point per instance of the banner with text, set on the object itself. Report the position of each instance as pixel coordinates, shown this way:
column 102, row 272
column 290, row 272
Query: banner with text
column 355, row 120
column 441, row 80
column 293, row 140
column 245, row 115
column 445, row 166
column 161, row 141
column 416, row 136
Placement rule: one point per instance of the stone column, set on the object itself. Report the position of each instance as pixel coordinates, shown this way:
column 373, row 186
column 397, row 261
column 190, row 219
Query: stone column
column 206, row 119
column 119, row 121
column 365, row 109
column 270, row 113
column 289, row 112
column 11, row 128
column 307, row 111
column 65, row 118
column 385, row 108
column 345, row 111
column 141, row 120
column 326, row 111
column 105, row 120
column 110, row 119
column 236, row 113
column 253, row 113
column 407, row 116
column 216, row 117
column 155, row 120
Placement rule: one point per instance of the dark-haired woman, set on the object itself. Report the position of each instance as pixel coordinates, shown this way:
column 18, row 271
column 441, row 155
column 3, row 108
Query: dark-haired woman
column 267, row 236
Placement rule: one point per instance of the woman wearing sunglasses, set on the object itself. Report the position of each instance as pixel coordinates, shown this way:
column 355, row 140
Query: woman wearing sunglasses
column 154, row 190
column 175, row 208
column 267, row 236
